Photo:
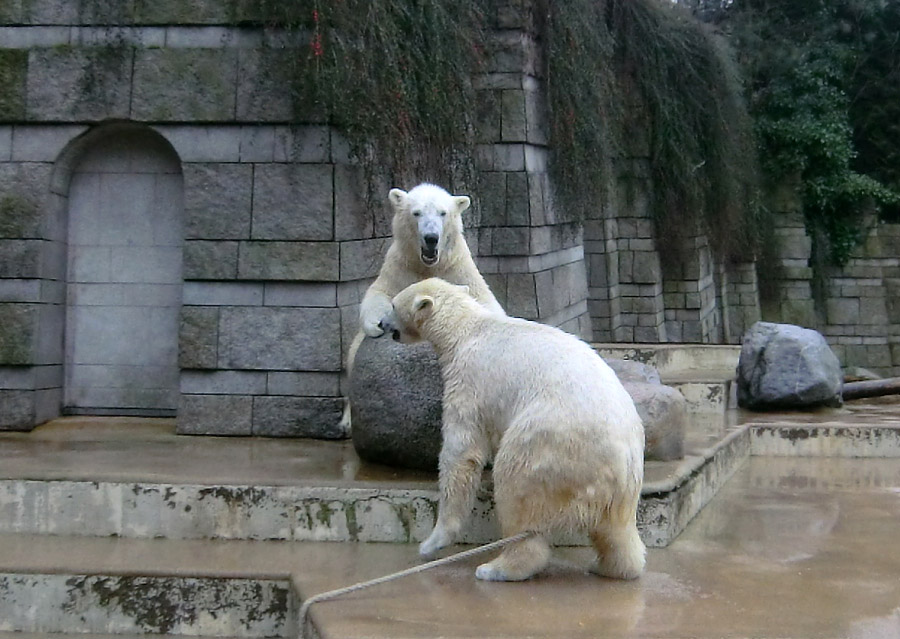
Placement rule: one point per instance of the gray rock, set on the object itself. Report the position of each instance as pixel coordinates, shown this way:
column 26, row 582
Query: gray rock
column 664, row 412
column 395, row 398
column 786, row 366
column 629, row 371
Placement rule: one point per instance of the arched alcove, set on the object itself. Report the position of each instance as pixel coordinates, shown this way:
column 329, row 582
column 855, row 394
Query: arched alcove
column 125, row 230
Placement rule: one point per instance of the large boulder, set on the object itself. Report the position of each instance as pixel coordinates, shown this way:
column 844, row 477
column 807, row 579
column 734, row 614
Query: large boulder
column 395, row 399
column 663, row 411
column 395, row 402
column 787, row 366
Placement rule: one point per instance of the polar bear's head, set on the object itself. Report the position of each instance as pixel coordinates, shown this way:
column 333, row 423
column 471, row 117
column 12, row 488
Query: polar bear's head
column 428, row 220
column 413, row 311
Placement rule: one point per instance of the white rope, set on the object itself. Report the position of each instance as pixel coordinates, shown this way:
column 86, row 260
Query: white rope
column 333, row 594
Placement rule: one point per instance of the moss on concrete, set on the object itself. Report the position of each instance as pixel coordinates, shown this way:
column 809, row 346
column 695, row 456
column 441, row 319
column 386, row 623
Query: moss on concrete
column 18, row 333
column 13, row 67
column 17, row 217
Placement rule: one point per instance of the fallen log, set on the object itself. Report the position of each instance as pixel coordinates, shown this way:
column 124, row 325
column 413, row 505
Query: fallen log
column 871, row 388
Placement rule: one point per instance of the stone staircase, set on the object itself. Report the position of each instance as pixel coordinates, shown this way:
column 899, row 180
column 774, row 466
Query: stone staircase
column 117, row 527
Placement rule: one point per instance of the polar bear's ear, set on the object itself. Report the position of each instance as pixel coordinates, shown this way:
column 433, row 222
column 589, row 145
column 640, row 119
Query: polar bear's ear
column 397, row 197
column 462, row 203
column 422, row 306
column 464, row 288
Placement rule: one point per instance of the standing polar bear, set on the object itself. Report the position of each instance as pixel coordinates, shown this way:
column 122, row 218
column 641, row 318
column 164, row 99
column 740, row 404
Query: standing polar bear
column 427, row 242
column 566, row 440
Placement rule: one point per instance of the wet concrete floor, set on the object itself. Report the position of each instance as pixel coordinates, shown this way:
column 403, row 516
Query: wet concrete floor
column 789, row 548
column 806, row 548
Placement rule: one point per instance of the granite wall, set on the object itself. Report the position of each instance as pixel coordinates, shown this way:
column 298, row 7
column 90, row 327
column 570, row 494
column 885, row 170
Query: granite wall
column 277, row 242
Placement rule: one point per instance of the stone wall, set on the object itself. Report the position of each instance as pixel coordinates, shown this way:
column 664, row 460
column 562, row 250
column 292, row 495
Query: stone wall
column 279, row 243
column 855, row 306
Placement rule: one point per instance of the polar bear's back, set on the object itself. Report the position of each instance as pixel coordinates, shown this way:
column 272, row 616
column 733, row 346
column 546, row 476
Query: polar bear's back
column 528, row 367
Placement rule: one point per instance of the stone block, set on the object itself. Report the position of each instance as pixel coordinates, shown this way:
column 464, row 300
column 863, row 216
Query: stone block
column 275, row 338
column 265, row 87
column 289, row 261
column 78, row 84
column 184, row 85
column 180, row 12
column 210, row 260
column 20, row 218
column 313, row 294
column 513, row 124
column 363, row 258
column 303, row 384
column 492, row 199
column 508, row 240
column 517, row 200
column 487, row 116
column 521, row 296
column 17, row 410
column 223, row 382
column 13, row 77
column 508, row 157
column 352, row 218
column 292, row 202
column 217, row 201
column 19, row 325
column 842, row 311
column 223, row 293
column 317, row 417
column 203, row 143
column 198, row 337
column 873, row 310
column 214, row 415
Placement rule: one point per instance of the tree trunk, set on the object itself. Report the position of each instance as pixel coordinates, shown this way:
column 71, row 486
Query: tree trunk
column 872, row 388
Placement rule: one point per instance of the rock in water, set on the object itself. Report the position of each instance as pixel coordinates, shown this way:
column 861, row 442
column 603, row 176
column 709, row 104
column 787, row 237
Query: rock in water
column 395, row 402
column 787, row 366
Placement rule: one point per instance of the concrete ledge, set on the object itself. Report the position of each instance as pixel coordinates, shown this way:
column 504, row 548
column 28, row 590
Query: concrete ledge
column 825, row 440
column 163, row 605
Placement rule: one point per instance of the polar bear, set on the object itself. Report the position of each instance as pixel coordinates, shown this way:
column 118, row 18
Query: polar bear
column 427, row 242
column 565, row 437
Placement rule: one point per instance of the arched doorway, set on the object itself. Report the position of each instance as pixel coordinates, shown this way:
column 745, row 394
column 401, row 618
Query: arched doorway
column 124, row 276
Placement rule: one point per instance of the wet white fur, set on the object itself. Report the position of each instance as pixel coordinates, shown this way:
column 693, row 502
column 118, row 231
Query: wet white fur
column 565, row 438
column 403, row 265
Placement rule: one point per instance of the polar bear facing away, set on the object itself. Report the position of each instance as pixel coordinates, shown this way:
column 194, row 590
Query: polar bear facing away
column 565, row 437
column 427, row 242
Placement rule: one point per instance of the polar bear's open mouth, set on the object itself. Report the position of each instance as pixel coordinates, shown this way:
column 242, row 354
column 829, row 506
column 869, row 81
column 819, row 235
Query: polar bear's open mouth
column 429, row 257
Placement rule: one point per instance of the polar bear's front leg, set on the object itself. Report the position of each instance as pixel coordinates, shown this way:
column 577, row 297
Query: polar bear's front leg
column 462, row 461
column 375, row 307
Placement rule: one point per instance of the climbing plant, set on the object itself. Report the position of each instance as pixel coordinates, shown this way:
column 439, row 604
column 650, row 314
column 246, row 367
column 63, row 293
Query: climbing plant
column 394, row 77
column 626, row 70
column 804, row 69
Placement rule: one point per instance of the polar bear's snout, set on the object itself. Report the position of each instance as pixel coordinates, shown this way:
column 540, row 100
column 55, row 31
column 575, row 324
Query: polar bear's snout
column 430, row 230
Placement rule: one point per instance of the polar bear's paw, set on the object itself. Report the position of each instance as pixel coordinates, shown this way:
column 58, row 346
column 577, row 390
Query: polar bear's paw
column 489, row 572
column 373, row 328
column 439, row 538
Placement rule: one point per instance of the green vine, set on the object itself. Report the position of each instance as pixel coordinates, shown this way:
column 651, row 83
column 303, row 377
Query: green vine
column 394, row 77
column 802, row 73
column 616, row 67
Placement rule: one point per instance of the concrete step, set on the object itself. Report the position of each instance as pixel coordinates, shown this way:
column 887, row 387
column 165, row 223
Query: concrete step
column 818, row 528
column 72, row 478
column 700, row 362
column 116, row 587
column 704, row 374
